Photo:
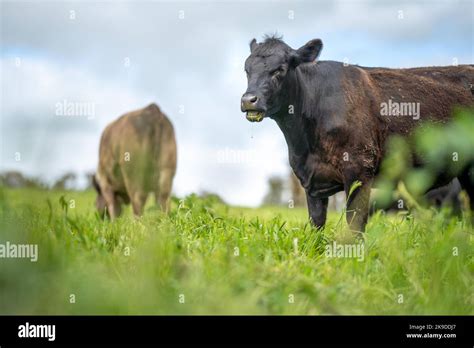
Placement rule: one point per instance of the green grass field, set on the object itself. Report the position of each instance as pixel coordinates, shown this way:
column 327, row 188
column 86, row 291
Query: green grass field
column 209, row 258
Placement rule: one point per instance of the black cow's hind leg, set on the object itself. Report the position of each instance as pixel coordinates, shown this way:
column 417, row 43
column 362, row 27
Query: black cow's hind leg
column 357, row 209
column 466, row 179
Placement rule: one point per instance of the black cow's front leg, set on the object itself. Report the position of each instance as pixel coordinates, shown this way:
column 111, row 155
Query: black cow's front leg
column 357, row 209
column 317, row 209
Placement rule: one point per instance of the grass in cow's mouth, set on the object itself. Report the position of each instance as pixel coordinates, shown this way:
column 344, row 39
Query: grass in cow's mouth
column 255, row 116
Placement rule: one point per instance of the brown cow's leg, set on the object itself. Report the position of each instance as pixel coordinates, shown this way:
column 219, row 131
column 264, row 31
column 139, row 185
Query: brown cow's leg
column 163, row 192
column 113, row 205
column 138, row 202
column 134, row 188
column 317, row 209
column 357, row 210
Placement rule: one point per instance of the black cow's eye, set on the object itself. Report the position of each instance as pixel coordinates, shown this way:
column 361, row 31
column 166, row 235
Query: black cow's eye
column 278, row 71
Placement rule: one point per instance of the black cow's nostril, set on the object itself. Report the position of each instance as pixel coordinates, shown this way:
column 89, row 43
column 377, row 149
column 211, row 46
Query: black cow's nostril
column 249, row 101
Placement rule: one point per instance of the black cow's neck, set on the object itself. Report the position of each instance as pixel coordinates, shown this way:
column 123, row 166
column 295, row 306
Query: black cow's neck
column 294, row 131
column 295, row 126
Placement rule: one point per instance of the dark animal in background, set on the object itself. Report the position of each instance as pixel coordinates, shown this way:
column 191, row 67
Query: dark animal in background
column 330, row 114
column 137, row 156
column 446, row 196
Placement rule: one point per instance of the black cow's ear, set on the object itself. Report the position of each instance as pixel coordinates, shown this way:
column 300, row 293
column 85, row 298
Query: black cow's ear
column 253, row 44
column 309, row 52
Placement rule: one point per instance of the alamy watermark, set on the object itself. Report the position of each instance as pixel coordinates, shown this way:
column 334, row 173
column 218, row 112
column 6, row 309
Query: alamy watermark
column 28, row 330
column 335, row 250
column 393, row 108
column 234, row 156
column 21, row 251
column 75, row 109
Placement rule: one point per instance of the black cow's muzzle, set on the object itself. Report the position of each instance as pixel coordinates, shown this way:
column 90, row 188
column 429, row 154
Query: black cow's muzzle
column 248, row 104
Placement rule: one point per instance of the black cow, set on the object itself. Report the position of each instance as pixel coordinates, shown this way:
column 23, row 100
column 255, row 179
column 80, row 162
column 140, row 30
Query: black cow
column 330, row 114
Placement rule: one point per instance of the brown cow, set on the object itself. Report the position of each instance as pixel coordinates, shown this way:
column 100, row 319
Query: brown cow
column 137, row 156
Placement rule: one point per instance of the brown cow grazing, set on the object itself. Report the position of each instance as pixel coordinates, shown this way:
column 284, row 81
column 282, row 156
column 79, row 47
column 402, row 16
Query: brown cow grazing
column 137, row 156
column 336, row 117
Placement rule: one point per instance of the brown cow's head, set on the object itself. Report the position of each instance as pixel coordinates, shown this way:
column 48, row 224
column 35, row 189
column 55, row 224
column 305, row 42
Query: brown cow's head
column 100, row 203
column 268, row 66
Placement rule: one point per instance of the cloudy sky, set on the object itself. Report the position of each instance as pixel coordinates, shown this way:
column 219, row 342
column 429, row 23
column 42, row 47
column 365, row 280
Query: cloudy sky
column 188, row 57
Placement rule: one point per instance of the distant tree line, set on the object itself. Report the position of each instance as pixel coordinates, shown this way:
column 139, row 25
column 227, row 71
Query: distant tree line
column 67, row 181
column 287, row 191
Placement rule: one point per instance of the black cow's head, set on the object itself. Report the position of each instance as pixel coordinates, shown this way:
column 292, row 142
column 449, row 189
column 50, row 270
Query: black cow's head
column 267, row 68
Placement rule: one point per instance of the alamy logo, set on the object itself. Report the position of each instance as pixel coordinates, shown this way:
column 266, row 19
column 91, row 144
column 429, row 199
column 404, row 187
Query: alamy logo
column 75, row 108
column 237, row 156
column 400, row 109
column 28, row 251
column 37, row 331
column 335, row 250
